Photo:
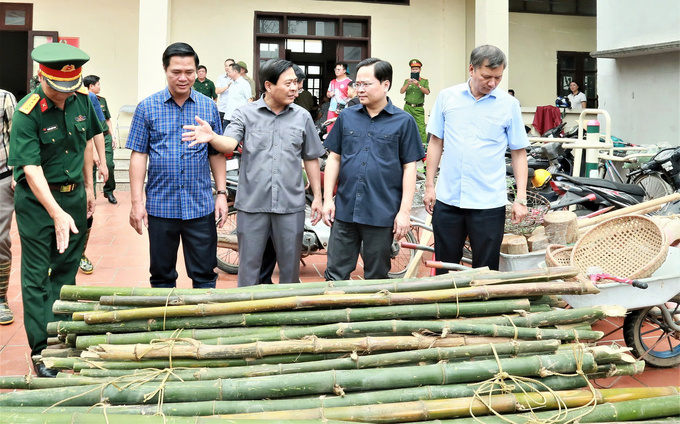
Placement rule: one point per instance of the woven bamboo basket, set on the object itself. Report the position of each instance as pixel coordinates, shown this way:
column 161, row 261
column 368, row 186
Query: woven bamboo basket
column 537, row 206
column 629, row 246
column 558, row 255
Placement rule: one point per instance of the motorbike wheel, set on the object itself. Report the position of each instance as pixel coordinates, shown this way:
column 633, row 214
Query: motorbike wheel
column 228, row 259
column 646, row 333
column 654, row 185
column 401, row 257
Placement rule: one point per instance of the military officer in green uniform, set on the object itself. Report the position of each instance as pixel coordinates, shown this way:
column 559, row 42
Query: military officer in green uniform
column 416, row 88
column 203, row 85
column 51, row 151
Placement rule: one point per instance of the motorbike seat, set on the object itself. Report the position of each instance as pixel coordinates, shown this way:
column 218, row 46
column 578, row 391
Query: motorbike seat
column 631, row 189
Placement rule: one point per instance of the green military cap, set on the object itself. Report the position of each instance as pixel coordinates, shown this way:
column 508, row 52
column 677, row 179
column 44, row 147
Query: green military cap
column 415, row 62
column 61, row 65
column 242, row 64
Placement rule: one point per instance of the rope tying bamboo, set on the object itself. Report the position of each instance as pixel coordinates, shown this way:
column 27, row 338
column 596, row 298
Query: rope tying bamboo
column 165, row 310
column 488, row 387
column 103, row 406
column 457, row 303
column 579, row 352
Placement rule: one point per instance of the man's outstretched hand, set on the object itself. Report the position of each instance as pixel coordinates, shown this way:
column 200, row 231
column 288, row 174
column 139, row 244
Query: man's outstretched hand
column 201, row 133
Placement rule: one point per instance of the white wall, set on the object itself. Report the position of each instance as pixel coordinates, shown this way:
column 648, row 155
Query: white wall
column 441, row 33
column 641, row 93
column 534, row 42
column 430, row 30
column 108, row 32
column 625, row 23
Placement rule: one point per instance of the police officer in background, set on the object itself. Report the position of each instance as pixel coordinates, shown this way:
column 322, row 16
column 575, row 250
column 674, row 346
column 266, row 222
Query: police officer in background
column 51, row 151
column 416, row 89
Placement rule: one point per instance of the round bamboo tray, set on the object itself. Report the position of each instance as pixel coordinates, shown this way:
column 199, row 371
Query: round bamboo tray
column 629, row 246
column 558, row 255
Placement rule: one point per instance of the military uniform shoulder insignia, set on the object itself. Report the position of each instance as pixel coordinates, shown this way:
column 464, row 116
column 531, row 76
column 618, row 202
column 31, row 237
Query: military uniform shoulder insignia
column 82, row 90
column 101, row 97
column 30, row 103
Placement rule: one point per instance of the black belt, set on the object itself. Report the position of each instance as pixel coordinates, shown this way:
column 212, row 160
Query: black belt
column 5, row 174
column 415, row 105
column 63, row 188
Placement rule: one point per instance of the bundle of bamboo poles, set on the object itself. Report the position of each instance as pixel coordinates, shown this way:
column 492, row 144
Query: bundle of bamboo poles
column 471, row 345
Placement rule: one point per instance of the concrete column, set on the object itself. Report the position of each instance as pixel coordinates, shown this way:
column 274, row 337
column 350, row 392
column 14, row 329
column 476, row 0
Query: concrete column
column 154, row 33
column 492, row 23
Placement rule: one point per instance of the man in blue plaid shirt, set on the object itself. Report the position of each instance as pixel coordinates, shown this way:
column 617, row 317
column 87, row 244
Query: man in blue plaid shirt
column 179, row 201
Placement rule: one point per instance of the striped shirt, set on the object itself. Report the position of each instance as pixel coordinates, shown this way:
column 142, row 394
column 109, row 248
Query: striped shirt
column 179, row 184
column 7, row 106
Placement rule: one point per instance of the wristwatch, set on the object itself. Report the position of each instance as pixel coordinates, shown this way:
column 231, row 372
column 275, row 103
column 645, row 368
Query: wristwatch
column 522, row 202
column 221, row 192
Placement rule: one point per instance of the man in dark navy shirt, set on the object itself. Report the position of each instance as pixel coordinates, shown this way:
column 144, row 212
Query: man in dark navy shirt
column 374, row 148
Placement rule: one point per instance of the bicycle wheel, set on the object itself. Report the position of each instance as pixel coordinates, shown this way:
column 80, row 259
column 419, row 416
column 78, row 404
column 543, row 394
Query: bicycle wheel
column 651, row 338
column 654, row 185
column 401, row 257
column 227, row 259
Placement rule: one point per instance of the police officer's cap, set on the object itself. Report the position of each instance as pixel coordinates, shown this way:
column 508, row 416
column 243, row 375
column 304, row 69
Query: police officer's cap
column 61, row 65
column 415, row 62
column 243, row 65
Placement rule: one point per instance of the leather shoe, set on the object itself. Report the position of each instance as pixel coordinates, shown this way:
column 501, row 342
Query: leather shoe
column 43, row 371
column 112, row 198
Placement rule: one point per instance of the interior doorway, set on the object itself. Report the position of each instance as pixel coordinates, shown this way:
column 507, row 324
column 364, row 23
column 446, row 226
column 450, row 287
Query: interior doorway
column 314, row 42
column 13, row 72
column 17, row 40
column 581, row 68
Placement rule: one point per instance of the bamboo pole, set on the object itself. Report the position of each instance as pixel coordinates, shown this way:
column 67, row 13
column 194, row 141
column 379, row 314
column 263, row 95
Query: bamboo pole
column 629, row 210
column 395, row 327
column 85, row 418
column 394, row 286
column 196, row 350
column 77, row 364
column 354, row 362
column 431, row 310
column 465, row 407
column 85, row 341
column 361, row 398
column 62, row 307
column 346, row 300
column 555, row 317
column 526, row 276
column 94, row 293
column 630, row 410
column 324, row 382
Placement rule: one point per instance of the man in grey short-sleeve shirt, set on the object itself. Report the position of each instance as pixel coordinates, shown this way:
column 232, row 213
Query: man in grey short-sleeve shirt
column 270, row 177
column 277, row 135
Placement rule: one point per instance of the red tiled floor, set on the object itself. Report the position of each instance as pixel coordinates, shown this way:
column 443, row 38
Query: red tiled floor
column 121, row 257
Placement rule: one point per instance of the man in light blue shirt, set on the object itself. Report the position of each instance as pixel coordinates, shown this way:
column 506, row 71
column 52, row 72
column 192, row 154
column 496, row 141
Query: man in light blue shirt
column 238, row 95
column 222, row 89
column 473, row 124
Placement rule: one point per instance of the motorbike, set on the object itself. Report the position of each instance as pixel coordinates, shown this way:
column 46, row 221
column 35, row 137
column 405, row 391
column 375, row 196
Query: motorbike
column 314, row 242
column 594, row 193
column 550, row 156
column 314, row 237
column 661, row 175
